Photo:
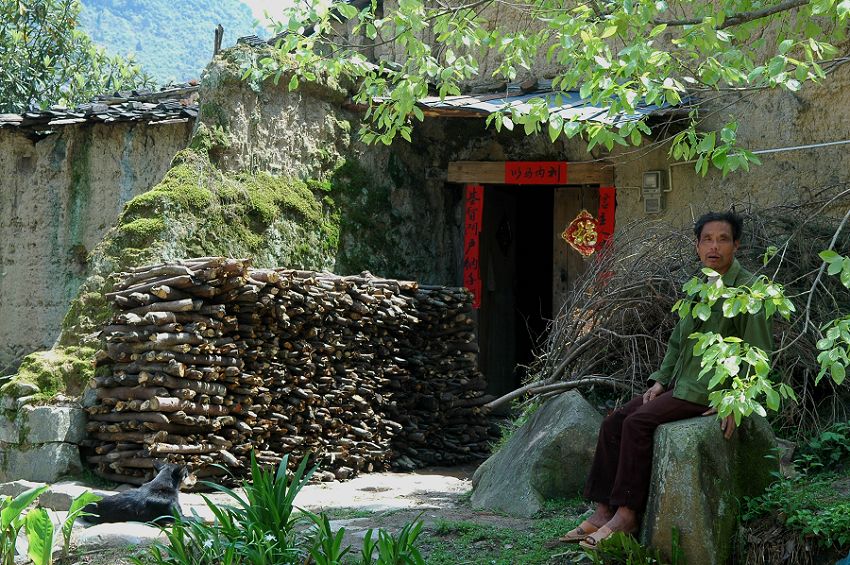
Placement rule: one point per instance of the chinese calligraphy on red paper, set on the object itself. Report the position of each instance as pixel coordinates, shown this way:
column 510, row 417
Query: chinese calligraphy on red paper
column 535, row 172
column 473, row 213
column 582, row 233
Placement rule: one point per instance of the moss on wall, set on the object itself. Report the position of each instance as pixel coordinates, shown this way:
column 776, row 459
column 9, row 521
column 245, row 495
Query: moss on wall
column 61, row 369
column 199, row 210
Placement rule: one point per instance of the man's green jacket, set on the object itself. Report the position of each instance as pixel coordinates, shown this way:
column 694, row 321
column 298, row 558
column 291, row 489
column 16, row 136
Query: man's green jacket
column 682, row 368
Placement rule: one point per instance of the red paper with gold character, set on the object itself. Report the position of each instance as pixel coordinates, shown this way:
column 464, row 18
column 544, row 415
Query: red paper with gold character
column 583, row 233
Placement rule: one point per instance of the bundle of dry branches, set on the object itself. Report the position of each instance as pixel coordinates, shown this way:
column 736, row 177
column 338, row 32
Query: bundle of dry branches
column 614, row 325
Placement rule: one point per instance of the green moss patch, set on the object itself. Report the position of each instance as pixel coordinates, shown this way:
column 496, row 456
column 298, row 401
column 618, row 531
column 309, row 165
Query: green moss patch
column 367, row 224
column 60, row 370
column 199, row 210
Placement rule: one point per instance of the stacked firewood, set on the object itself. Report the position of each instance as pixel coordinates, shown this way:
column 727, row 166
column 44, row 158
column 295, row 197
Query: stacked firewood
column 209, row 359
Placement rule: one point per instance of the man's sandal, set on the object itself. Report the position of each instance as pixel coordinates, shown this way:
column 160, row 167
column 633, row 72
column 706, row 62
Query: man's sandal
column 578, row 533
column 592, row 541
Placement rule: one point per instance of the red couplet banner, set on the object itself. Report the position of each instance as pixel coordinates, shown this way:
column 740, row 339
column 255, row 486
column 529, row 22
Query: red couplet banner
column 535, row 172
column 473, row 214
column 606, row 215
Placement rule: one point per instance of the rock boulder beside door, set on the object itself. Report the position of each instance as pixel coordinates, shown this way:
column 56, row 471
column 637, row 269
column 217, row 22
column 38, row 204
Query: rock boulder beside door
column 548, row 457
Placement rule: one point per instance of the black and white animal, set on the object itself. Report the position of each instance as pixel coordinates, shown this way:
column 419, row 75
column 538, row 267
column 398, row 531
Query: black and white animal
column 154, row 501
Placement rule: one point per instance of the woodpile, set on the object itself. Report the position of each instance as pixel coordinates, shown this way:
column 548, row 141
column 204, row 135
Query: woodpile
column 209, row 358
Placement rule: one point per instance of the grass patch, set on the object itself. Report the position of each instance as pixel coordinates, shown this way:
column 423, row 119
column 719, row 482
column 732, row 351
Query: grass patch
column 348, row 513
column 459, row 542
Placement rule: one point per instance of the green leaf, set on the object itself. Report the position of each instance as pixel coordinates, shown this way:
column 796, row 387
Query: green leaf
column 12, row 511
column 838, row 373
column 346, row 10
column 39, row 530
column 702, row 311
column 608, row 32
column 657, row 30
column 829, row 256
column 76, row 510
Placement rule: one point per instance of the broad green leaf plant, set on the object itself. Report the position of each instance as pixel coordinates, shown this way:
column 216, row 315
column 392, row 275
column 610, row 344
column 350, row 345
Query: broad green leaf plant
column 16, row 513
column 834, row 347
column 615, row 53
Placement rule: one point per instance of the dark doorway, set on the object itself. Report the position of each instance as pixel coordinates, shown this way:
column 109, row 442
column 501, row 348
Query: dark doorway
column 533, row 270
column 516, row 275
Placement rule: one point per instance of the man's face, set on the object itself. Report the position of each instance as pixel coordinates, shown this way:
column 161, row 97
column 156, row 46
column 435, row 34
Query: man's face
column 716, row 247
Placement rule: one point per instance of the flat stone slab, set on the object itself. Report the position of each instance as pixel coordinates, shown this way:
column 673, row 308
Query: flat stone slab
column 120, row 534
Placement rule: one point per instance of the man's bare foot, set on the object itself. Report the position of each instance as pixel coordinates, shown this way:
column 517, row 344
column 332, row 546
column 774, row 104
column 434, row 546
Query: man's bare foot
column 602, row 515
column 624, row 520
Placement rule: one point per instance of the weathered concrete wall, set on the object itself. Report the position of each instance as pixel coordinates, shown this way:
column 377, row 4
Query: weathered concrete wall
column 767, row 120
column 58, row 196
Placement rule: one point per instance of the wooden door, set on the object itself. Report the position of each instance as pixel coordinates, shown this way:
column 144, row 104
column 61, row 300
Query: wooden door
column 567, row 263
column 496, row 326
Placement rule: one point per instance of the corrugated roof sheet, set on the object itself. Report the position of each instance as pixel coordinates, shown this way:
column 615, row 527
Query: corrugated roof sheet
column 569, row 105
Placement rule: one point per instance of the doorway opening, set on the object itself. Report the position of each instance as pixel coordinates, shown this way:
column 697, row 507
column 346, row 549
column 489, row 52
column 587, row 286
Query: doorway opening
column 517, row 280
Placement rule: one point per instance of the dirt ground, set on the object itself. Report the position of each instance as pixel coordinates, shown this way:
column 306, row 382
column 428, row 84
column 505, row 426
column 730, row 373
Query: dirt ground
column 437, row 496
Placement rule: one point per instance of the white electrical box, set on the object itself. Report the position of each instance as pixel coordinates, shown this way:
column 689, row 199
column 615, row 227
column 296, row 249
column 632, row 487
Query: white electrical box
column 652, row 188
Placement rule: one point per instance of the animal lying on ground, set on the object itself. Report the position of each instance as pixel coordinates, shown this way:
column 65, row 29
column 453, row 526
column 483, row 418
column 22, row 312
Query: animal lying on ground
column 154, row 501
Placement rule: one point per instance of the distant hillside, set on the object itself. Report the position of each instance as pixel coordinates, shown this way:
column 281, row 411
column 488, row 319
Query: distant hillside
column 171, row 39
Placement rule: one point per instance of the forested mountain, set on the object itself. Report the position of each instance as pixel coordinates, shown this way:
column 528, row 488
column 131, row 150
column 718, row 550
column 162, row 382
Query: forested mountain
column 171, row 39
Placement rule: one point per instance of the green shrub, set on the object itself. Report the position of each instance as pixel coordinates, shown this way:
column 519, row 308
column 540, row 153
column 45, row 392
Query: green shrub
column 826, row 451
column 813, row 505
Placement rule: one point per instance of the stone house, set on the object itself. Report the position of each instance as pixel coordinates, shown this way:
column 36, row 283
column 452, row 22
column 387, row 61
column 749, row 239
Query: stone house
column 398, row 211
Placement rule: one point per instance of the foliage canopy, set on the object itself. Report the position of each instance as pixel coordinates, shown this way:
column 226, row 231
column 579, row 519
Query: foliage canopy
column 46, row 59
column 616, row 53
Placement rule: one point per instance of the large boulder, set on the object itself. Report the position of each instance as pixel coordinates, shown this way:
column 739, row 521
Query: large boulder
column 698, row 478
column 548, row 457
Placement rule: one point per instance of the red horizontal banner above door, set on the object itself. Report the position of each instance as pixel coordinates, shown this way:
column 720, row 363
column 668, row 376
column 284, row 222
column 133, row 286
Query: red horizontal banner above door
column 535, row 172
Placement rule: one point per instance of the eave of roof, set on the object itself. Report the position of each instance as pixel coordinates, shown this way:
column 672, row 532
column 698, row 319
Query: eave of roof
column 168, row 105
column 568, row 105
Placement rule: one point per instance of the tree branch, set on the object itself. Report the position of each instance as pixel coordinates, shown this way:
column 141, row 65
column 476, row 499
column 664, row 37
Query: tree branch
column 741, row 18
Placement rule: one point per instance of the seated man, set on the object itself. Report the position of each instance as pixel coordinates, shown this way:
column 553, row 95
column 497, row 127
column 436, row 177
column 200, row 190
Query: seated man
column 620, row 474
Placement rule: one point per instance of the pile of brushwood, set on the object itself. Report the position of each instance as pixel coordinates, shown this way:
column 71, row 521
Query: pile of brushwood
column 613, row 328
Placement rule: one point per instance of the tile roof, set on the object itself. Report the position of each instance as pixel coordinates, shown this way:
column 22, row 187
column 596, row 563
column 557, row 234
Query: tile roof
column 167, row 105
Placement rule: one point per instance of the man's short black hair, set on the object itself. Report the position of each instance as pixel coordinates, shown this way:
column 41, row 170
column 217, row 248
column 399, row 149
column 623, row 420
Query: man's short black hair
column 730, row 218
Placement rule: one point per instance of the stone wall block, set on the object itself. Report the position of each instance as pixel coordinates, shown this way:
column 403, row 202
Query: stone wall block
column 46, row 424
column 548, row 457
column 43, row 463
column 9, row 432
column 698, row 478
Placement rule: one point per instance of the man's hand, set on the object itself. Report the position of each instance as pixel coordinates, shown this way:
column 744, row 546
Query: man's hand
column 652, row 392
column 727, row 424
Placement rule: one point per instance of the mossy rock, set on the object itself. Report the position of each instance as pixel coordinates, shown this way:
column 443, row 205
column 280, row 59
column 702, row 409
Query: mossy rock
column 199, row 210
column 63, row 370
